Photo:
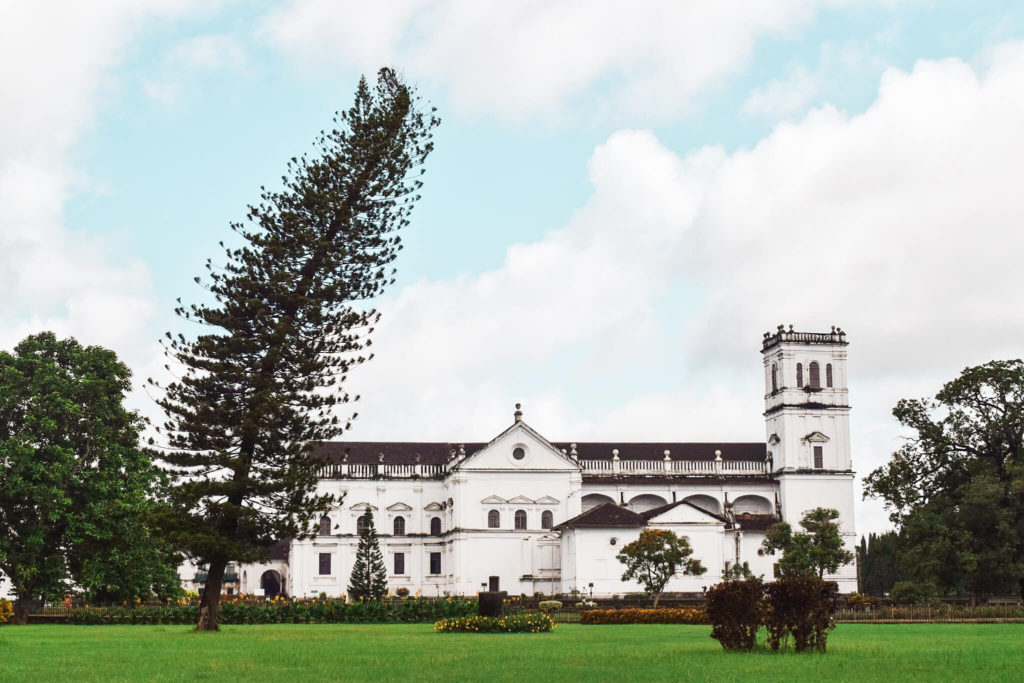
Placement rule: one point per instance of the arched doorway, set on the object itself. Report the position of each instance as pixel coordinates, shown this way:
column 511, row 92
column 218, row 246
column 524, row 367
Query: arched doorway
column 271, row 583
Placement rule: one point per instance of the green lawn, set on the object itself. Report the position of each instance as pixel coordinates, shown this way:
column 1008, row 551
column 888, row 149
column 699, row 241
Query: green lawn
column 894, row 653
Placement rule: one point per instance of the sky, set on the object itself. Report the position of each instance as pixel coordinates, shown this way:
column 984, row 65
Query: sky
column 624, row 195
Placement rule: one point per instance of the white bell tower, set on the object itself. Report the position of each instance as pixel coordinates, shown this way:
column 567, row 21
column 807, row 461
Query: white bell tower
column 807, row 423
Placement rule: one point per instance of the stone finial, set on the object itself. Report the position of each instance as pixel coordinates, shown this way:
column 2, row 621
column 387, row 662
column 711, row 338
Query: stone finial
column 380, row 457
column 718, row 456
column 344, row 456
column 791, row 327
column 615, row 454
column 462, row 450
column 668, row 454
column 572, row 451
column 419, row 458
column 518, row 415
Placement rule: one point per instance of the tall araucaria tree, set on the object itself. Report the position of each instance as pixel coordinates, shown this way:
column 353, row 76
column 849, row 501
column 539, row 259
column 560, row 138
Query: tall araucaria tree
column 369, row 579
column 288, row 320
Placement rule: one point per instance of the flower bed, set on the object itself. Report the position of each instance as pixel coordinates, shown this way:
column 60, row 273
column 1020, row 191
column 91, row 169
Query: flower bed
column 511, row 623
column 412, row 610
column 644, row 616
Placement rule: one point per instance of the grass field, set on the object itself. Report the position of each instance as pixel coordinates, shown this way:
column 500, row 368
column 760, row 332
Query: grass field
column 415, row 652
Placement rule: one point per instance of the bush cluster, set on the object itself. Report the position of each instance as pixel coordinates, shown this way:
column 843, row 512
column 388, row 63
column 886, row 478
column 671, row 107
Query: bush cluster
column 549, row 605
column 511, row 623
column 800, row 607
column 644, row 616
column 6, row 610
column 411, row 610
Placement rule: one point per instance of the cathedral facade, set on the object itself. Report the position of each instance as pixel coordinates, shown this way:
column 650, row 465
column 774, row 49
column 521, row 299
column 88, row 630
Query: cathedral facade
column 525, row 514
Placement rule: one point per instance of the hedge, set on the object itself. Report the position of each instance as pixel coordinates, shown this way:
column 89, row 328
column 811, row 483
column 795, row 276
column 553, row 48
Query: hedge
column 6, row 610
column 316, row 611
column 511, row 623
column 644, row 616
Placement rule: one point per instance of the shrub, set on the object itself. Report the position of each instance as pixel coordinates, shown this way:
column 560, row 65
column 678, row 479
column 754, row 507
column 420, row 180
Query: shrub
column 858, row 602
column 644, row 616
column 512, row 623
column 402, row 592
column 911, row 593
column 736, row 610
column 6, row 610
column 802, row 607
column 549, row 605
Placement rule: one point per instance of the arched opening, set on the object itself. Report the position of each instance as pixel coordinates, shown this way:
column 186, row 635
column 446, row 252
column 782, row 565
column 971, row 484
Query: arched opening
column 775, row 378
column 815, row 375
column 520, row 519
column 399, row 525
column 705, row 503
column 435, row 526
column 271, row 583
column 592, row 500
column 752, row 505
column 493, row 519
column 546, row 519
column 325, row 526
column 799, row 374
column 645, row 502
column 828, row 375
column 362, row 525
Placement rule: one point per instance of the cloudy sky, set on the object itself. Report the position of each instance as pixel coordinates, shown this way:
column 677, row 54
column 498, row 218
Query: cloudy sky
column 623, row 198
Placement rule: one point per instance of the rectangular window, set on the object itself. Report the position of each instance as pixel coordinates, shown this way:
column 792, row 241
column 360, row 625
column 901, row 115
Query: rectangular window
column 399, row 563
column 435, row 563
column 325, row 564
column 819, row 460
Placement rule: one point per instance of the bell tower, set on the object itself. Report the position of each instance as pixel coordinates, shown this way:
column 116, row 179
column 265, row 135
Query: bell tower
column 806, row 402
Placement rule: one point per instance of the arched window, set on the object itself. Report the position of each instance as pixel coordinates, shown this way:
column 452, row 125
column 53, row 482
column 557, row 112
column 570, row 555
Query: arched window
column 399, row 526
column 362, row 526
column 325, row 526
column 493, row 519
column 546, row 519
column 828, row 375
column 520, row 519
column 435, row 526
column 815, row 372
column 799, row 374
column 775, row 378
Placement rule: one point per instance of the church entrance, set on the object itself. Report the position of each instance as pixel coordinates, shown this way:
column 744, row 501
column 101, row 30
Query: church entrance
column 270, row 582
column 493, row 584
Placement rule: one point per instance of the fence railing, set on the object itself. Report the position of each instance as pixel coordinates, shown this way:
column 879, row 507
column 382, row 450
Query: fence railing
column 590, row 467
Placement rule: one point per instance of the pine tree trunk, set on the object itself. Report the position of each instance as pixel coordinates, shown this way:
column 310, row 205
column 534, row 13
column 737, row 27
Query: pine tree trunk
column 209, row 606
column 20, row 615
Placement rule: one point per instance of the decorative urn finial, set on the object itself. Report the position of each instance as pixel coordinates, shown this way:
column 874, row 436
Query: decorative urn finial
column 519, row 412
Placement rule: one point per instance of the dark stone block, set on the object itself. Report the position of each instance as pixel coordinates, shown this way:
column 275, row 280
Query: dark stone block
column 491, row 603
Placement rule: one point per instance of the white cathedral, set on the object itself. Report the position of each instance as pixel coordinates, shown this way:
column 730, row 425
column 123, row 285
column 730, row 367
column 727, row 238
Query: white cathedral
column 526, row 515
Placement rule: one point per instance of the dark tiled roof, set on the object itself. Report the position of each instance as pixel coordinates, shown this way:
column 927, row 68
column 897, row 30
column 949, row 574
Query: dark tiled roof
column 654, row 512
column 751, row 522
column 604, row 515
column 439, row 453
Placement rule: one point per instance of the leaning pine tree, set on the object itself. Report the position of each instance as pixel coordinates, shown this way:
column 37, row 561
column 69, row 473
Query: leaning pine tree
column 369, row 580
column 286, row 323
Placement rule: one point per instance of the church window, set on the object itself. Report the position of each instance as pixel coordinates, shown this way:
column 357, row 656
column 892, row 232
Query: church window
column 520, row 519
column 399, row 526
column 828, row 375
column 435, row 563
column 399, row 563
column 799, row 374
column 325, row 526
column 361, row 525
column 775, row 378
column 325, row 564
column 546, row 519
column 518, row 453
column 819, row 459
column 815, row 379
column 493, row 519
column 435, row 526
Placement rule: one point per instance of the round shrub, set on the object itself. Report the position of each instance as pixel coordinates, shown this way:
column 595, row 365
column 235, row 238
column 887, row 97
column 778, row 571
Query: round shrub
column 736, row 610
column 549, row 605
column 6, row 610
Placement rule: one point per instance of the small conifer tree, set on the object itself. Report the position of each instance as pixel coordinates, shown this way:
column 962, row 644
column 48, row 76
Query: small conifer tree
column 369, row 580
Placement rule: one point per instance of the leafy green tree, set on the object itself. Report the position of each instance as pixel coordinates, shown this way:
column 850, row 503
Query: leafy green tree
column 288, row 320
column 738, row 572
column 369, row 579
column 956, row 487
column 813, row 552
column 656, row 557
column 74, row 483
column 880, row 563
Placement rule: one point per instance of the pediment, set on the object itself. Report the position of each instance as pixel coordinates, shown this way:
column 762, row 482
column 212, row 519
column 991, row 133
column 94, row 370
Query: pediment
column 519, row 448
column 684, row 512
column 363, row 506
column 399, row 507
column 434, row 507
column 816, row 437
column 546, row 500
column 494, row 500
column 522, row 500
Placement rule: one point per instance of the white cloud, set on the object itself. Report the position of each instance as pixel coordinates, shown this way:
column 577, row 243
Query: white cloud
column 517, row 60
column 780, row 99
column 161, row 92
column 208, row 52
column 901, row 224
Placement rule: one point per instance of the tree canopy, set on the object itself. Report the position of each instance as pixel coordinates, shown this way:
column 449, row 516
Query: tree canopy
column 288, row 320
column 956, row 487
column 655, row 557
column 74, row 484
column 813, row 552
